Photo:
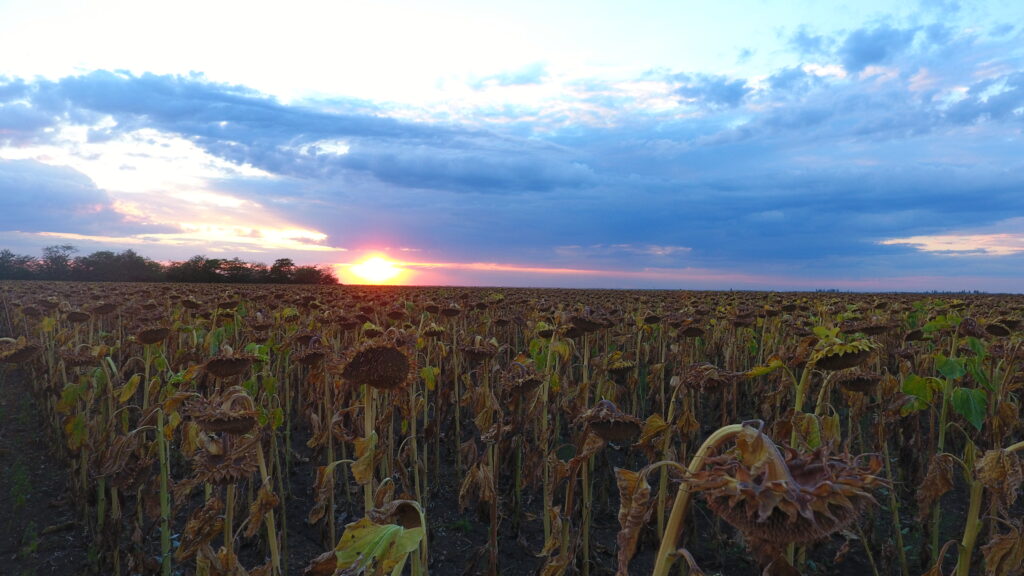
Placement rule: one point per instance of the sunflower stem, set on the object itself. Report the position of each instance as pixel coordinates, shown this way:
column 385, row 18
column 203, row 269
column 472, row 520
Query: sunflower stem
column 675, row 521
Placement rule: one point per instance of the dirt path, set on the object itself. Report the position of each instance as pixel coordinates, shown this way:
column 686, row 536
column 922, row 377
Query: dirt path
column 39, row 531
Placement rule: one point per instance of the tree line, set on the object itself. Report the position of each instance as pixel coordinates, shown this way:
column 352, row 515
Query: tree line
column 60, row 263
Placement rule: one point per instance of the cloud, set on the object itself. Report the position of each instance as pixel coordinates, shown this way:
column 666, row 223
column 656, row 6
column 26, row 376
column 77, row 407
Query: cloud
column 878, row 45
column 1005, row 238
column 1000, row 98
column 712, row 91
column 35, row 197
column 806, row 43
column 534, row 73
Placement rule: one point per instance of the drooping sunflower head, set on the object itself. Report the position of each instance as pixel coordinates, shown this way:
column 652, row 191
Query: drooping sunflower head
column 384, row 363
column 778, row 497
column 478, row 349
column 228, row 364
column 18, row 351
column 235, row 462
column 611, row 424
column 152, row 335
column 857, row 380
column 521, row 378
column 231, row 411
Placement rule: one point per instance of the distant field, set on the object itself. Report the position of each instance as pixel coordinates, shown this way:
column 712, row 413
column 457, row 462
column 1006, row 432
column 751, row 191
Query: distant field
column 327, row 430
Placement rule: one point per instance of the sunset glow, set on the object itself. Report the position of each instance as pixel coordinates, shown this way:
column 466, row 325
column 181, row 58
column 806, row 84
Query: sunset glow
column 377, row 270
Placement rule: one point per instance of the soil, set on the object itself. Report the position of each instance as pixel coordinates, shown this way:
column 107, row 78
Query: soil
column 40, row 532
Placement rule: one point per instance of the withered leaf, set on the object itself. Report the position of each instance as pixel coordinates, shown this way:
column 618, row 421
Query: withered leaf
column 362, row 469
column 478, row 484
column 937, row 481
column 203, row 525
column 325, row 564
column 1000, row 472
column 265, row 501
column 324, row 487
column 634, row 497
column 1004, row 553
column 936, row 570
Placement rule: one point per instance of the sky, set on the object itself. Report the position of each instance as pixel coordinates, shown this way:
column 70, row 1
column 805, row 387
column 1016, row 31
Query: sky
column 748, row 144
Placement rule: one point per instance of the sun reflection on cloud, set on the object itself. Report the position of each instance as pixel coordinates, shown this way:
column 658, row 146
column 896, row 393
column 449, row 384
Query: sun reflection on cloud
column 964, row 244
column 1003, row 239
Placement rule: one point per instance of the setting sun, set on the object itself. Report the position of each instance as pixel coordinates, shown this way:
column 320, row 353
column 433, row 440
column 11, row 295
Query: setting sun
column 376, row 270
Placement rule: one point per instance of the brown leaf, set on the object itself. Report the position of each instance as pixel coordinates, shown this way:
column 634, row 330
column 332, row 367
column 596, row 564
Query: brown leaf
column 174, row 401
column 1000, row 472
column 634, row 497
column 592, row 445
column 937, row 482
column 323, row 488
column 478, row 484
column 203, row 525
column 936, row 570
column 265, row 501
column 323, row 565
column 1004, row 553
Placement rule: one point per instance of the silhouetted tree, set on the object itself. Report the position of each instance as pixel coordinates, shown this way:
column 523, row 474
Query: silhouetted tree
column 128, row 266
column 281, row 271
column 56, row 262
column 16, row 266
column 107, row 266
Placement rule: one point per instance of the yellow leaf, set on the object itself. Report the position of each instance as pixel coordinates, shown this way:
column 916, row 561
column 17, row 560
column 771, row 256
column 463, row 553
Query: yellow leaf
column 128, row 390
column 362, row 469
column 369, row 548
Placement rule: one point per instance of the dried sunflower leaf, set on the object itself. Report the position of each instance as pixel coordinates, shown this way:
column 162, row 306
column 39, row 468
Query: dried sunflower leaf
column 634, row 498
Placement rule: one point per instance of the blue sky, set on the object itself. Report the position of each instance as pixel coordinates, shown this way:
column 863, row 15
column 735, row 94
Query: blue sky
column 748, row 144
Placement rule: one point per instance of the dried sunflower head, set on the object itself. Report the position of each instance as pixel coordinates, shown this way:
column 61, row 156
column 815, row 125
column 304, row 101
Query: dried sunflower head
column 776, row 499
column 479, row 349
column 78, row 358
column 77, row 316
column 152, row 335
column 237, row 462
column 18, row 351
column 384, row 363
column 586, row 323
column 227, row 364
column 861, row 381
column 704, row 376
column 521, row 379
column 230, row 411
column 311, row 356
column 617, row 365
column 611, row 424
